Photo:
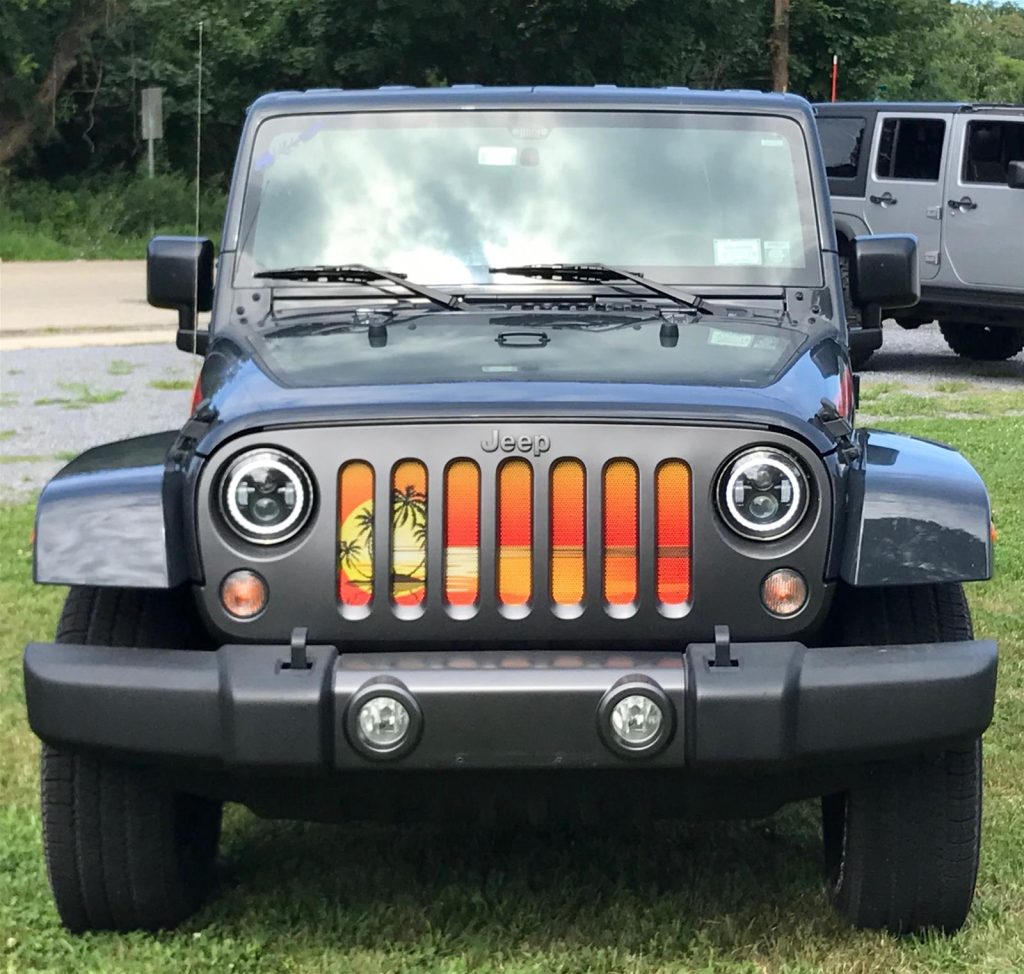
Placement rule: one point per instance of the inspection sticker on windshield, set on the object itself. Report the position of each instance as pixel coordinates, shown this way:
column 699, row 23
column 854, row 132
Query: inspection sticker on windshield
column 776, row 252
column 731, row 339
column 737, row 251
column 497, row 155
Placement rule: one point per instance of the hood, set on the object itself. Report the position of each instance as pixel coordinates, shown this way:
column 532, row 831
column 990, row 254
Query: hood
column 540, row 365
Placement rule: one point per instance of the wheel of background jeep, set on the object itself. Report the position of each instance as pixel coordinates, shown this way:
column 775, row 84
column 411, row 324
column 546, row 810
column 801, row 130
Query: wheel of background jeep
column 901, row 847
column 859, row 356
column 989, row 343
column 122, row 852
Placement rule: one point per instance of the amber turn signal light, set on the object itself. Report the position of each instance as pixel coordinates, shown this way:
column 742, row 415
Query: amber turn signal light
column 784, row 592
column 243, row 594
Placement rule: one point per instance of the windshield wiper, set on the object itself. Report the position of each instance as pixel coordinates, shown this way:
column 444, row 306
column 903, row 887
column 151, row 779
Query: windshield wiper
column 602, row 274
column 361, row 274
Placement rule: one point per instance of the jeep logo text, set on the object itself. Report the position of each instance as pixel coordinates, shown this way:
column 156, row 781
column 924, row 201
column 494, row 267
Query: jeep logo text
column 510, row 444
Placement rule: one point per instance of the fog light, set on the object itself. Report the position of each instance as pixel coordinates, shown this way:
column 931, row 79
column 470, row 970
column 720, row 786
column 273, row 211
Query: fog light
column 784, row 592
column 636, row 720
column 243, row 594
column 383, row 720
column 383, row 723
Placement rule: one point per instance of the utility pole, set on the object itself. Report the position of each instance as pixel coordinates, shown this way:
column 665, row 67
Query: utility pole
column 779, row 46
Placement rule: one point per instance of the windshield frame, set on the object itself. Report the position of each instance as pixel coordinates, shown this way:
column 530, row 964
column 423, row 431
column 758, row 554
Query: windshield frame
column 811, row 275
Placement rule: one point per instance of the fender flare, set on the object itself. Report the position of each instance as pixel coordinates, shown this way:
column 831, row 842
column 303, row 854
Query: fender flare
column 113, row 517
column 917, row 513
column 848, row 226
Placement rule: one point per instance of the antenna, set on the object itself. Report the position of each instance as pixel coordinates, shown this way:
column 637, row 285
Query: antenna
column 199, row 151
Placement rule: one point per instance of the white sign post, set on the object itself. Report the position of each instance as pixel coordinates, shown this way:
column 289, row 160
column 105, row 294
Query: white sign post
column 152, row 119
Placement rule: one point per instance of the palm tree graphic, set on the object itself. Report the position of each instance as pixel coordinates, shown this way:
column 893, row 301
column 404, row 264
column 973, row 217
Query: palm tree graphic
column 408, row 509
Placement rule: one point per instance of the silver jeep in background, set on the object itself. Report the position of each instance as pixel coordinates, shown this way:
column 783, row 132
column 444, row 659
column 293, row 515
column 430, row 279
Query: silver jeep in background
column 952, row 175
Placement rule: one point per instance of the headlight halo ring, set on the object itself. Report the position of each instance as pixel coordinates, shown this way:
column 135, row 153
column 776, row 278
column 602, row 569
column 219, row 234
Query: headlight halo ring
column 286, row 465
column 788, row 467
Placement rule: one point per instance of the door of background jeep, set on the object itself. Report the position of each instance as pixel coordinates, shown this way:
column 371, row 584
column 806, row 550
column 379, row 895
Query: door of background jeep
column 983, row 237
column 905, row 180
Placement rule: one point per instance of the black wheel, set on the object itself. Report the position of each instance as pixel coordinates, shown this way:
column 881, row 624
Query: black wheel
column 902, row 845
column 988, row 343
column 860, row 352
column 123, row 852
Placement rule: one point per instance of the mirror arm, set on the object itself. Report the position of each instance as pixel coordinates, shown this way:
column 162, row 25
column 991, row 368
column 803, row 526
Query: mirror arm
column 871, row 316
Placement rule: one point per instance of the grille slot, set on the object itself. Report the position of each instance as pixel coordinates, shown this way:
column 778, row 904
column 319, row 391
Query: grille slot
column 514, row 537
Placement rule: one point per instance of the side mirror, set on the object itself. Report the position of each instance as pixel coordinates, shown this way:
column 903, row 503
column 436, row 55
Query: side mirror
column 179, row 275
column 1015, row 175
column 884, row 274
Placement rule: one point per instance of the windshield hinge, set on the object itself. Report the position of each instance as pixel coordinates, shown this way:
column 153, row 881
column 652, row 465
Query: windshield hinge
column 839, row 429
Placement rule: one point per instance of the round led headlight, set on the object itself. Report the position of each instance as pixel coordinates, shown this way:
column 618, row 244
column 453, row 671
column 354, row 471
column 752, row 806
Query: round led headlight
column 266, row 496
column 763, row 494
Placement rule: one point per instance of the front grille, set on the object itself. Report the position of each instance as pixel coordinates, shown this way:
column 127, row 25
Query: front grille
column 549, row 550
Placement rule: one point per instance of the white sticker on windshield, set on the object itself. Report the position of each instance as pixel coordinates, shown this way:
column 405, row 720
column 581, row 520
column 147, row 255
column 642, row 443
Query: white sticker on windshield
column 776, row 253
column 737, row 252
column 497, row 155
column 731, row 339
column 499, row 368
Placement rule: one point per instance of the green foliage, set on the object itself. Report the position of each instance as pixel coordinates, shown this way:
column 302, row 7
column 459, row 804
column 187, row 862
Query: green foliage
column 893, row 48
column 111, row 217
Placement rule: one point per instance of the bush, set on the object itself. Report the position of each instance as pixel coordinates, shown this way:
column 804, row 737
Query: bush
column 111, row 218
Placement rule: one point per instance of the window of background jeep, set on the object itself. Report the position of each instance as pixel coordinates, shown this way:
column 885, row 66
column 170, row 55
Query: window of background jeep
column 841, row 141
column 442, row 196
column 910, row 148
column 989, row 149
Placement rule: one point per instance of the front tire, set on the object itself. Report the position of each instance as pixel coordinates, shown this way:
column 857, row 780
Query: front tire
column 986, row 343
column 902, row 845
column 123, row 852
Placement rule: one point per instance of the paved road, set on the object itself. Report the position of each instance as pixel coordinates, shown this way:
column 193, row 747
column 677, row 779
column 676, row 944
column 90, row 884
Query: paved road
column 61, row 304
column 56, row 402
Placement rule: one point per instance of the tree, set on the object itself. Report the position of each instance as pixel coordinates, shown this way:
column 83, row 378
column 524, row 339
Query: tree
column 779, row 45
column 42, row 44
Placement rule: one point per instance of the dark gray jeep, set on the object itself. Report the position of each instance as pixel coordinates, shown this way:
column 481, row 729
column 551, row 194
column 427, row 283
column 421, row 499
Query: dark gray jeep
column 522, row 478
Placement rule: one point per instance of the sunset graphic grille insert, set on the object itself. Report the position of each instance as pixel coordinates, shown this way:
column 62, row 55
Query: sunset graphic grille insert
column 545, row 536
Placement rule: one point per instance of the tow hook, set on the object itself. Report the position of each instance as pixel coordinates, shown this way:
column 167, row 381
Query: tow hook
column 723, row 649
column 299, row 658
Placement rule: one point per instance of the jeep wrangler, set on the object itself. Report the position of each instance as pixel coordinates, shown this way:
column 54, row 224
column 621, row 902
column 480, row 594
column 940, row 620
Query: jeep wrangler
column 522, row 478
column 945, row 173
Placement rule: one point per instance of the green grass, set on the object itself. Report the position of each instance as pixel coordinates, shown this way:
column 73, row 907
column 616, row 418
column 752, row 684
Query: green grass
column 171, row 385
column 82, row 396
column 742, row 898
column 120, row 367
column 7, row 434
column 888, row 401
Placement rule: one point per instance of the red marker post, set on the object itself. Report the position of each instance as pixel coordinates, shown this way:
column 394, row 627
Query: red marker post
column 835, row 74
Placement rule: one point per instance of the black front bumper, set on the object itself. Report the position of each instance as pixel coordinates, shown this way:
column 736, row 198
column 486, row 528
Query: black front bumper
column 242, row 708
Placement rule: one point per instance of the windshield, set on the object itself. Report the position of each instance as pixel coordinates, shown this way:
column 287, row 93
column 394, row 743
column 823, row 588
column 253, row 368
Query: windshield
column 685, row 198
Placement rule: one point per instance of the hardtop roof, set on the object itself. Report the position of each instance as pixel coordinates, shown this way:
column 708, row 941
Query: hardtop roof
column 937, row 107
column 610, row 97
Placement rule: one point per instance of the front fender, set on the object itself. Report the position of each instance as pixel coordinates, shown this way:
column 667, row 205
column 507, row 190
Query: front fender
column 848, row 225
column 112, row 517
column 917, row 513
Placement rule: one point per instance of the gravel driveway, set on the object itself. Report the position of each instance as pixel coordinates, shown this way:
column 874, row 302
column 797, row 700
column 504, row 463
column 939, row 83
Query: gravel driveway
column 57, row 402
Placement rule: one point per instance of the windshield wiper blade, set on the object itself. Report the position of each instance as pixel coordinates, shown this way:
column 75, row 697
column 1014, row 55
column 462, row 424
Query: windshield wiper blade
column 603, row 274
column 361, row 274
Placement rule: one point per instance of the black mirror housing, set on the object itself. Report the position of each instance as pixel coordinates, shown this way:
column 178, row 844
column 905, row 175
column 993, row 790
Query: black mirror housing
column 1015, row 175
column 884, row 273
column 179, row 275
